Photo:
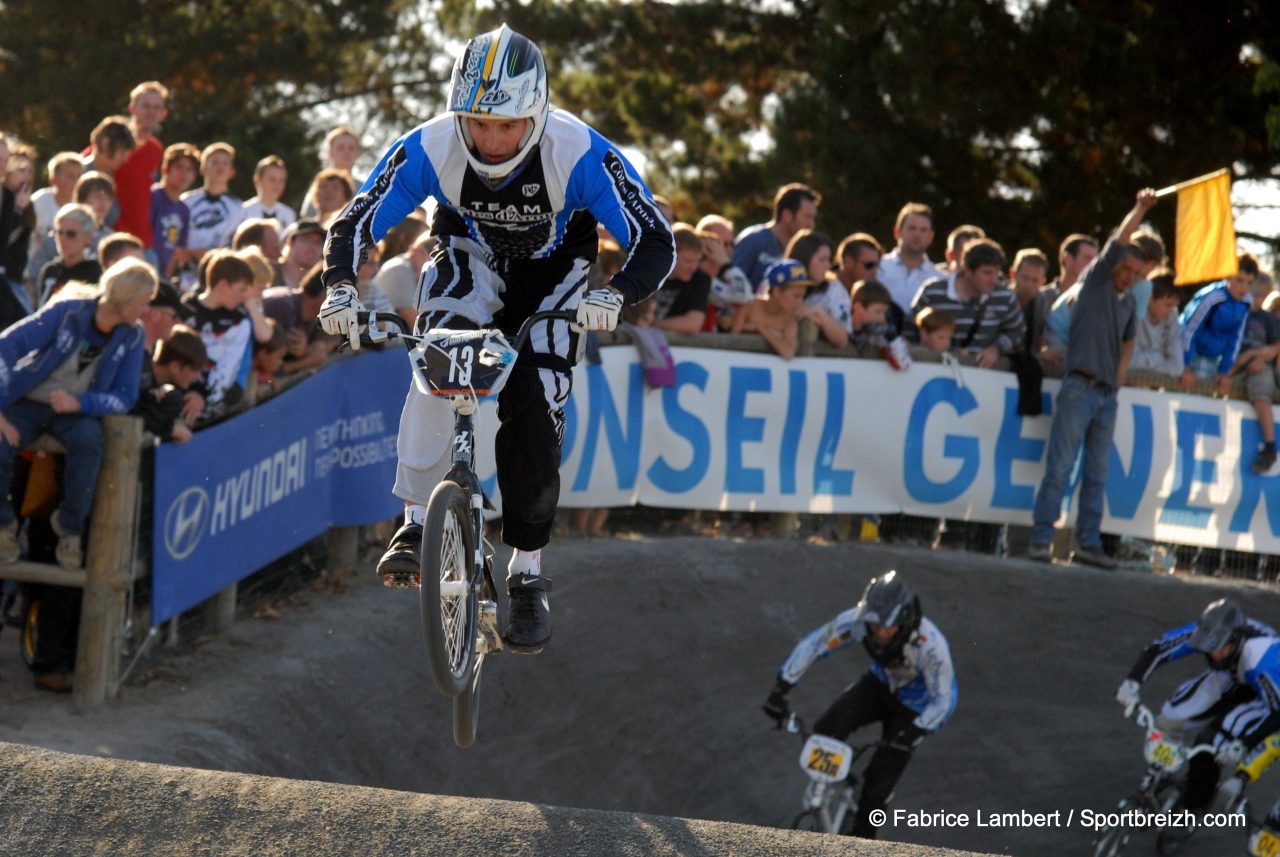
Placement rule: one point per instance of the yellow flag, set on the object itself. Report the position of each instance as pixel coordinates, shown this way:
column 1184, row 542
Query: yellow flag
column 1206, row 233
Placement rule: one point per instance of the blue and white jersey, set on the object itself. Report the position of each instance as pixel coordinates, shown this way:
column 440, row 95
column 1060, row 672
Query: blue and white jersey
column 1172, row 646
column 923, row 679
column 545, row 209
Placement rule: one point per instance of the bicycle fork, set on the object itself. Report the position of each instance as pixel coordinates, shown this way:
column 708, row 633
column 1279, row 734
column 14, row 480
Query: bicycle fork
column 480, row 580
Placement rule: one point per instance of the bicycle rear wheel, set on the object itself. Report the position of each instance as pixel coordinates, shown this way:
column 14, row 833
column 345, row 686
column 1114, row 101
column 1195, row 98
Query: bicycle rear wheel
column 448, row 603
column 466, row 708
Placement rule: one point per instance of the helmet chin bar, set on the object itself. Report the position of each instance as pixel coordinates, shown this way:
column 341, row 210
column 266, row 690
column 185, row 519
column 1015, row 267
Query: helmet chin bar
column 493, row 173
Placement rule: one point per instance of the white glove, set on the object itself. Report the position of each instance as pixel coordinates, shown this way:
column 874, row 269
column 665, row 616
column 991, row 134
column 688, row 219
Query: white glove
column 1230, row 754
column 338, row 313
column 1128, row 696
column 599, row 310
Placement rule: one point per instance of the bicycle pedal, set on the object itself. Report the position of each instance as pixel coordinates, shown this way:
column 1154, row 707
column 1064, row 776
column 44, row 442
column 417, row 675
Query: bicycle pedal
column 402, row 580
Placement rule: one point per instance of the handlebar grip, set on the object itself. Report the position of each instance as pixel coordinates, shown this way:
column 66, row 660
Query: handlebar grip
column 364, row 316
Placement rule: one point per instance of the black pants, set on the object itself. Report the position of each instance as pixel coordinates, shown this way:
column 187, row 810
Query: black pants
column 1203, row 771
column 531, row 405
column 869, row 701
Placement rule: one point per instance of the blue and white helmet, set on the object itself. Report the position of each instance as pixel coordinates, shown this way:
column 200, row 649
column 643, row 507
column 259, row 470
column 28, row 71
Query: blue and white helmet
column 499, row 75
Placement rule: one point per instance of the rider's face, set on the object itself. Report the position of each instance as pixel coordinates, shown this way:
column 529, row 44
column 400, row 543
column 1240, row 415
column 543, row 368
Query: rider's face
column 496, row 140
column 1220, row 654
column 882, row 634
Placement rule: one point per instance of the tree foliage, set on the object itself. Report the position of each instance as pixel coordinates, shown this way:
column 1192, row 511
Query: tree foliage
column 245, row 73
column 1033, row 124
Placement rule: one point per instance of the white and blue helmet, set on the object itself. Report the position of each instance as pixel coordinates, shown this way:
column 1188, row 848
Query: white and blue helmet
column 499, row 75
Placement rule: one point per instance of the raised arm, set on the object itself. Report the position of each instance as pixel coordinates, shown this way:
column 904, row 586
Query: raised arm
column 1144, row 202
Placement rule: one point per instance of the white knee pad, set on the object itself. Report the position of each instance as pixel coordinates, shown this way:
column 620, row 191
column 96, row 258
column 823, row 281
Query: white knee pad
column 423, row 446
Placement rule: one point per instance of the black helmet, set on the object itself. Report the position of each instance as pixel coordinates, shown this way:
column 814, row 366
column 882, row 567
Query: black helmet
column 1222, row 622
column 888, row 600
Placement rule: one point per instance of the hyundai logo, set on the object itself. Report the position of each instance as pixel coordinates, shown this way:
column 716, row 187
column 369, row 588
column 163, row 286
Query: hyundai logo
column 185, row 522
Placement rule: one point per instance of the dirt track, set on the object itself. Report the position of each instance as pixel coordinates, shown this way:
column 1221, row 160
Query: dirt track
column 648, row 699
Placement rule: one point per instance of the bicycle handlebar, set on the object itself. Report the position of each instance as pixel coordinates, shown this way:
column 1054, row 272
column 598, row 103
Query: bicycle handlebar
column 370, row 318
column 1146, row 719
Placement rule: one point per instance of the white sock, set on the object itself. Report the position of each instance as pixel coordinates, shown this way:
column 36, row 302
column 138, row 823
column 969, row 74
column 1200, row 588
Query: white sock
column 525, row 562
column 415, row 514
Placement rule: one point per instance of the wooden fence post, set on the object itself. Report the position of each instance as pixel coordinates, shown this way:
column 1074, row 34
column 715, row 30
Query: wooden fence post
column 107, row 578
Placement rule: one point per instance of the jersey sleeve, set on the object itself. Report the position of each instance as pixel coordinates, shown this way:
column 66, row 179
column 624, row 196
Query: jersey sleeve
column 939, row 676
column 1170, row 646
column 403, row 180
column 609, row 187
column 841, row 631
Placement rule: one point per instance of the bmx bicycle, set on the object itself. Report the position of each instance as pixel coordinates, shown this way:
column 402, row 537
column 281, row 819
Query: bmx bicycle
column 1160, row 787
column 830, row 802
column 458, row 597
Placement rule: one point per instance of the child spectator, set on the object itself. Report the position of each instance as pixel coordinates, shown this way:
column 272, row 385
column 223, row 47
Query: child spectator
column 1158, row 338
column 936, row 328
column 269, row 178
column 296, row 310
column 777, row 317
column 1257, row 361
column 215, row 213
column 331, row 190
column 87, row 361
column 268, row 359
column 110, row 145
column 72, row 233
column 682, row 300
column 868, row 313
column 170, row 217
column 262, row 277
column 1213, row 326
column 177, row 363
column 217, row 314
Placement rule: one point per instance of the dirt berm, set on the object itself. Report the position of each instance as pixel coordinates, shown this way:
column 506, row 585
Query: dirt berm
column 644, row 708
column 57, row 803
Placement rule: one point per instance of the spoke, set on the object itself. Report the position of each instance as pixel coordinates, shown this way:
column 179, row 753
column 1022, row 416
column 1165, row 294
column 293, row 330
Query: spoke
column 453, row 589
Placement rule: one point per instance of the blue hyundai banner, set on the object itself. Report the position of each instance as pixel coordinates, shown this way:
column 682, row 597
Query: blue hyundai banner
column 251, row 489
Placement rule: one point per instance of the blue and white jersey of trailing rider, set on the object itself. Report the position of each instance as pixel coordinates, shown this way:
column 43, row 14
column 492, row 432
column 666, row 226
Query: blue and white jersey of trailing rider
column 923, row 678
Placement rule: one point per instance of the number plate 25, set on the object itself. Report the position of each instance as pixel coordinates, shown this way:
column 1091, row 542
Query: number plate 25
column 826, row 759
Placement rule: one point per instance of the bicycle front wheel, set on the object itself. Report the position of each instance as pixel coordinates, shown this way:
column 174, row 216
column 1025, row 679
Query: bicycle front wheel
column 1111, row 841
column 448, row 604
column 466, row 708
column 808, row 820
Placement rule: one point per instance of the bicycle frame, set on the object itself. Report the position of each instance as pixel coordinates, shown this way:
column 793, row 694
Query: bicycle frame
column 834, row 803
column 479, row 583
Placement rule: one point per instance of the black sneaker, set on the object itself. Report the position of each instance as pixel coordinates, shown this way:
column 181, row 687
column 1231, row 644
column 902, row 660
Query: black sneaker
column 1093, row 556
column 1266, row 458
column 528, row 613
column 399, row 566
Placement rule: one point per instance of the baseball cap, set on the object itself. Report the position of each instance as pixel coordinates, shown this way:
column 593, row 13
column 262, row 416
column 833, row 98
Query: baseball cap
column 788, row 272
column 305, row 226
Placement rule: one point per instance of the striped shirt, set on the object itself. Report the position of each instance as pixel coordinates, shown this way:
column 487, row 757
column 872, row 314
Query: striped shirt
column 1000, row 324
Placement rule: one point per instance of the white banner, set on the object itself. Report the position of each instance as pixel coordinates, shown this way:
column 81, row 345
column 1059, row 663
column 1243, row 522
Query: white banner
column 752, row 432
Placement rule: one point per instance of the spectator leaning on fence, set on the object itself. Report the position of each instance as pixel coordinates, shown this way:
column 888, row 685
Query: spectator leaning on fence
column 937, row 328
column 814, row 250
column 1158, row 338
column 795, row 207
column 1085, row 410
column 682, row 300
column 176, row 364
column 1256, row 361
column 219, row 316
column 1213, row 326
column 988, row 320
column 60, row 369
column 870, row 304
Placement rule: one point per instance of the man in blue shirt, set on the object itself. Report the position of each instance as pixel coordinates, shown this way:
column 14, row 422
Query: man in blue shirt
column 795, row 207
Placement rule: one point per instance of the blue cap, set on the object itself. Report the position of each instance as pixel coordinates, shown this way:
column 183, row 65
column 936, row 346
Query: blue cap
column 788, row 272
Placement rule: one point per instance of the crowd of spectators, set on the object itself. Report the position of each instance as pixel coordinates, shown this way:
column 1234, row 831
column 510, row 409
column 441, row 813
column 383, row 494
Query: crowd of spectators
column 235, row 287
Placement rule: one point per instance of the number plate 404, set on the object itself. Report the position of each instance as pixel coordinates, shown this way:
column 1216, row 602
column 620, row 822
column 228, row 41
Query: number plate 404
column 1164, row 754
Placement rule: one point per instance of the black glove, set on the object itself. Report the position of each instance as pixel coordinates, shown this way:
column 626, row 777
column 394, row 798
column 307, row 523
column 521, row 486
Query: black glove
column 776, row 705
